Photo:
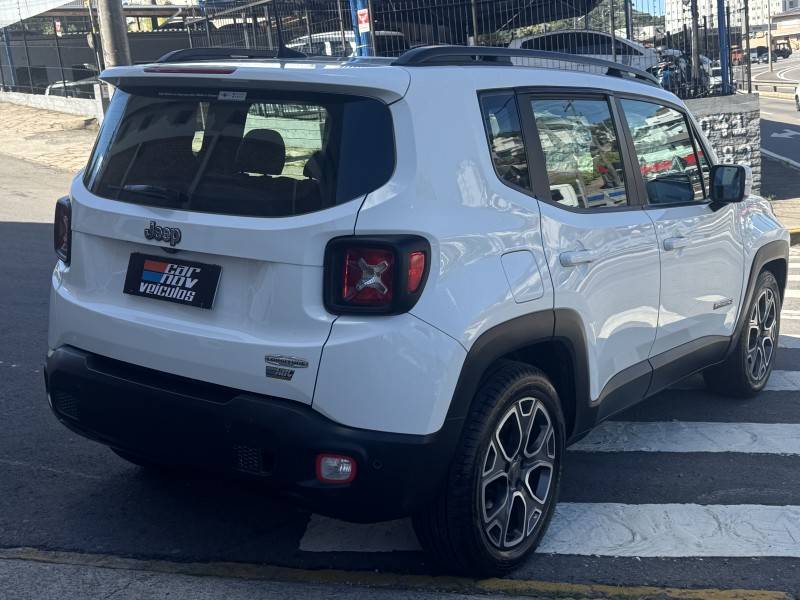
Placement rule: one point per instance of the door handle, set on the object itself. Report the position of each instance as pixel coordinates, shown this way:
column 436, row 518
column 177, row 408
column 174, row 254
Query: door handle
column 675, row 243
column 574, row 258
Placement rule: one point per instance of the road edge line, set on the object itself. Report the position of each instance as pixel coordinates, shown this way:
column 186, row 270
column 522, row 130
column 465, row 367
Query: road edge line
column 372, row 579
column 779, row 158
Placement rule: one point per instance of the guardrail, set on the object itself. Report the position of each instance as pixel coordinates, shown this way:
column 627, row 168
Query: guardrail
column 772, row 86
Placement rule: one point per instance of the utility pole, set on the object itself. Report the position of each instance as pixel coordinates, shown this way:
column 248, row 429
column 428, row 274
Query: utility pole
column 113, row 33
column 613, row 27
column 747, row 46
column 695, row 46
column 628, row 9
column 769, row 34
column 724, row 49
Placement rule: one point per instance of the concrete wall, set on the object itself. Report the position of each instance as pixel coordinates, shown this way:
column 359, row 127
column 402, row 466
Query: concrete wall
column 73, row 106
column 732, row 125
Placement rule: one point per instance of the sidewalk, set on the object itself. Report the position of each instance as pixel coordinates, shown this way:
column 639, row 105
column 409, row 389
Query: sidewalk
column 51, row 139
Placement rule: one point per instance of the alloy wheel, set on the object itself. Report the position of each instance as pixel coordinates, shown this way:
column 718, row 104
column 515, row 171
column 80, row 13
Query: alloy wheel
column 518, row 473
column 761, row 335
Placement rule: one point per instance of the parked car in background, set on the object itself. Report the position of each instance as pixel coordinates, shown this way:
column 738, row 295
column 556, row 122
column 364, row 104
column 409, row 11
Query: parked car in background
column 783, row 50
column 591, row 43
column 343, row 44
column 83, row 88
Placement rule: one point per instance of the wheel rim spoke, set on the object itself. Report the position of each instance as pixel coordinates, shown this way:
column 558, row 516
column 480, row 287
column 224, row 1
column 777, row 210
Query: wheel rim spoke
column 761, row 336
column 517, row 473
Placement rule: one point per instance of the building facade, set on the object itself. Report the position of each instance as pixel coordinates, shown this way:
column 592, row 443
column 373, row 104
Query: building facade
column 678, row 12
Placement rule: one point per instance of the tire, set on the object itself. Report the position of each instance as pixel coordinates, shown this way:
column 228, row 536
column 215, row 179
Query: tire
column 746, row 371
column 454, row 529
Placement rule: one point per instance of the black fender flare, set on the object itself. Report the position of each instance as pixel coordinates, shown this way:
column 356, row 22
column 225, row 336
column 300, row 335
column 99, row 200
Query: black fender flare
column 775, row 250
column 561, row 325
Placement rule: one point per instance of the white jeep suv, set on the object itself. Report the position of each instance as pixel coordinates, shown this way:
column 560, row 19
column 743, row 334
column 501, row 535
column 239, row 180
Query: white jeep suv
column 403, row 287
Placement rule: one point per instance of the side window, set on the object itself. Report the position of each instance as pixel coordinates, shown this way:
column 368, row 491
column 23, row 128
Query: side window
column 504, row 133
column 665, row 148
column 581, row 152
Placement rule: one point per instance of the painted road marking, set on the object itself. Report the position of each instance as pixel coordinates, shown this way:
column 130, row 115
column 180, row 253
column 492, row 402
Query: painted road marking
column 679, row 436
column 608, row 529
column 790, row 293
column 673, row 530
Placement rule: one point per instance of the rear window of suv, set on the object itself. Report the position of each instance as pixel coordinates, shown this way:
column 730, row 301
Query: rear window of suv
column 241, row 153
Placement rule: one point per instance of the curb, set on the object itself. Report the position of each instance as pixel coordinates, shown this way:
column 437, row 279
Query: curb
column 371, row 579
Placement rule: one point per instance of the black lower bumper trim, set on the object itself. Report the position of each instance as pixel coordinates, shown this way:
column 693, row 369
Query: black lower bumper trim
column 179, row 421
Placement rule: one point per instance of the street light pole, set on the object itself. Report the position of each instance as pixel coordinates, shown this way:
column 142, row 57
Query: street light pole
column 113, row 33
column 747, row 46
column 769, row 34
column 695, row 46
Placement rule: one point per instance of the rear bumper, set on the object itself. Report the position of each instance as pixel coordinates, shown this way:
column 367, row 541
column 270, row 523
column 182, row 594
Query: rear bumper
column 182, row 421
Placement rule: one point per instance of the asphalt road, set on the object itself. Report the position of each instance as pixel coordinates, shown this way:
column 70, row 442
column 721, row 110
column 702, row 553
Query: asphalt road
column 782, row 70
column 685, row 490
column 780, row 127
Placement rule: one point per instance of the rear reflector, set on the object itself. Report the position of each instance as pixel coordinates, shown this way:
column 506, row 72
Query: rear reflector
column 335, row 468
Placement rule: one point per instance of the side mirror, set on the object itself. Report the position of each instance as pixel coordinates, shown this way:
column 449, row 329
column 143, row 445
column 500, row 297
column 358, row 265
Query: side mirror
column 730, row 183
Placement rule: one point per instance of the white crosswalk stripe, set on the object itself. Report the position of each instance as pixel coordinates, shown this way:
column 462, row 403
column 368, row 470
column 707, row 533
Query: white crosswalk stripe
column 673, row 530
column 644, row 530
column 678, row 436
column 608, row 529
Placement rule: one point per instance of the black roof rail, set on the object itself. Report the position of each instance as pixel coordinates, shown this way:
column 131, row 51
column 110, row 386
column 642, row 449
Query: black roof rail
column 424, row 56
column 197, row 54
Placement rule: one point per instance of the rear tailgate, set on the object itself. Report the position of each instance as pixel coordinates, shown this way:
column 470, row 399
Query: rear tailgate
column 253, row 182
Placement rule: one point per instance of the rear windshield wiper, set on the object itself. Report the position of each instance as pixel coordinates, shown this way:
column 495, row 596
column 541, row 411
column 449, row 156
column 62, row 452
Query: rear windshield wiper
column 174, row 197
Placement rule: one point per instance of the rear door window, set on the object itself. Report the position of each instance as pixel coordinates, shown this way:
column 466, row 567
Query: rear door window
column 242, row 153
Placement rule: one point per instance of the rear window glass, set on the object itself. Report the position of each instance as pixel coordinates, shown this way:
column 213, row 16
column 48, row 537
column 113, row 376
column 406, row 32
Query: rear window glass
column 241, row 153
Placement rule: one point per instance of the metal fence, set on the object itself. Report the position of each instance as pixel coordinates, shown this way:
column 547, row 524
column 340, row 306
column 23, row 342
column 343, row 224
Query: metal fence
column 46, row 54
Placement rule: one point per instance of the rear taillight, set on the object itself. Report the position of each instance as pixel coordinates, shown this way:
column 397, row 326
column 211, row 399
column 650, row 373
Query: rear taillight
column 62, row 229
column 368, row 276
column 377, row 275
